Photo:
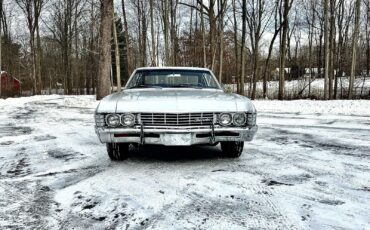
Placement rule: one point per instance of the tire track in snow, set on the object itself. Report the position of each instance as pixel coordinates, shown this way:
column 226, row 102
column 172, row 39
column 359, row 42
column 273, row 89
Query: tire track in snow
column 248, row 206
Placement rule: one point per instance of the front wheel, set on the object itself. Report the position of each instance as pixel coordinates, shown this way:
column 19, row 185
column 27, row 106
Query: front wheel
column 117, row 151
column 232, row 149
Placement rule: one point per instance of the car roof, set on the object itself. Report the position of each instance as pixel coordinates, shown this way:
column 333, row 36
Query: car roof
column 173, row 67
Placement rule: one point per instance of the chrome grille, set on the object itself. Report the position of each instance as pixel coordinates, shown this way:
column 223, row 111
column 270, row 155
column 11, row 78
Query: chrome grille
column 176, row 119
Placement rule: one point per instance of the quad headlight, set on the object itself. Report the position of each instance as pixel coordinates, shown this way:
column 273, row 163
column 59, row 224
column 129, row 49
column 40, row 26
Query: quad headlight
column 239, row 119
column 112, row 120
column 236, row 119
column 225, row 119
column 128, row 119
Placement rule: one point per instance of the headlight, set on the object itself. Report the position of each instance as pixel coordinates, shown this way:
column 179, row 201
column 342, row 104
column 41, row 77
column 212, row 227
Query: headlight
column 239, row 119
column 225, row 119
column 113, row 120
column 128, row 119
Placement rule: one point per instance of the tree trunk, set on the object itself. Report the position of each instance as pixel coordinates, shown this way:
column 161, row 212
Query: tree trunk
column 127, row 42
column 310, row 41
column 105, row 62
column 153, row 61
column 332, row 36
column 368, row 38
column 339, row 48
column 236, row 48
column 33, row 54
column 244, row 18
column 1, row 40
column 283, row 50
column 173, row 32
column 212, row 32
column 117, row 54
column 354, row 48
column 221, row 35
column 143, row 34
column 203, row 35
column 277, row 31
column 38, row 59
column 165, row 21
column 326, row 44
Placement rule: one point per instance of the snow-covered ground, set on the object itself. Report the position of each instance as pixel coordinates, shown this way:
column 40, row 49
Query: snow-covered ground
column 293, row 88
column 308, row 168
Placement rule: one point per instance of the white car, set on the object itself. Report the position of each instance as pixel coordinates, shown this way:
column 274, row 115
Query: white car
column 174, row 106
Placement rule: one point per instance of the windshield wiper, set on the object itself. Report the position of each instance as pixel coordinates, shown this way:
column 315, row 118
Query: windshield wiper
column 146, row 86
column 186, row 86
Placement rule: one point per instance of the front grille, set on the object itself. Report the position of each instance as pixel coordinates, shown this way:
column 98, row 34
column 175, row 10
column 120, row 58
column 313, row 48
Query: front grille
column 176, row 119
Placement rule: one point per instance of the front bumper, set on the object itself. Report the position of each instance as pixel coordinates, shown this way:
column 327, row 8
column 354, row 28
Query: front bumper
column 174, row 136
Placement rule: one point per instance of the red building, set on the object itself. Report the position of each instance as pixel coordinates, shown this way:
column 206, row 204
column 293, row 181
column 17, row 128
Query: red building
column 10, row 86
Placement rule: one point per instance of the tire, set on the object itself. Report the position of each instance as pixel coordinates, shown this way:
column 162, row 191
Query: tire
column 232, row 149
column 117, row 151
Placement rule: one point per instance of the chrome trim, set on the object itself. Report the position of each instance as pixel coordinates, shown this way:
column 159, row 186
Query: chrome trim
column 177, row 119
column 106, row 135
column 177, row 127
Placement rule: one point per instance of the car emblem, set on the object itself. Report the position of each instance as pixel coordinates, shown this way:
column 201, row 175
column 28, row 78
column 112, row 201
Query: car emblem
column 202, row 119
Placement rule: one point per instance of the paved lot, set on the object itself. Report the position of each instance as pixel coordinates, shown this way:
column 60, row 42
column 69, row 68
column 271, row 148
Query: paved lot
column 302, row 171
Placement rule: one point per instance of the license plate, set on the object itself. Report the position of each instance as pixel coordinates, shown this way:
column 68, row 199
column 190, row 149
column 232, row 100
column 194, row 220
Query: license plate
column 176, row 139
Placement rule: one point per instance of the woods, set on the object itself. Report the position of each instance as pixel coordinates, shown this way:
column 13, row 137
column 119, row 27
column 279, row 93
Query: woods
column 281, row 49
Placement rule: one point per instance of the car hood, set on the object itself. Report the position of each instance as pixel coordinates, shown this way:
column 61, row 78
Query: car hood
column 174, row 101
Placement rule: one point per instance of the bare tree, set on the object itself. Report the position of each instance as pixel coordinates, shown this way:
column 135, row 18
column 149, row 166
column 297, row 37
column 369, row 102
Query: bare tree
column 117, row 53
column 165, row 27
column 344, row 15
column 332, row 36
column 128, row 50
column 236, row 46
column 257, row 18
column 326, row 44
column 221, row 15
column 153, row 57
column 244, row 29
column 1, row 39
column 367, row 34
column 32, row 11
column 285, row 24
column 203, row 35
column 354, row 48
column 142, row 30
column 63, row 26
column 105, row 62
column 212, row 18
column 277, row 28
column 173, row 31
column 311, row 19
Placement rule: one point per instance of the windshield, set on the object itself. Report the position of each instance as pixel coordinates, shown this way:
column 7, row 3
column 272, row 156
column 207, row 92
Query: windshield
column 168, row 78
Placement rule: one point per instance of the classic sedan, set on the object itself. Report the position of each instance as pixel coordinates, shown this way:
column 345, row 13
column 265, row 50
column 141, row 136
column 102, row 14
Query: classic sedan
column 174, row 106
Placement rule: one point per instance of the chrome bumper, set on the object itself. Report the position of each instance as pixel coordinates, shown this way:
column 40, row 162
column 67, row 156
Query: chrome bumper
column 174, row 136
